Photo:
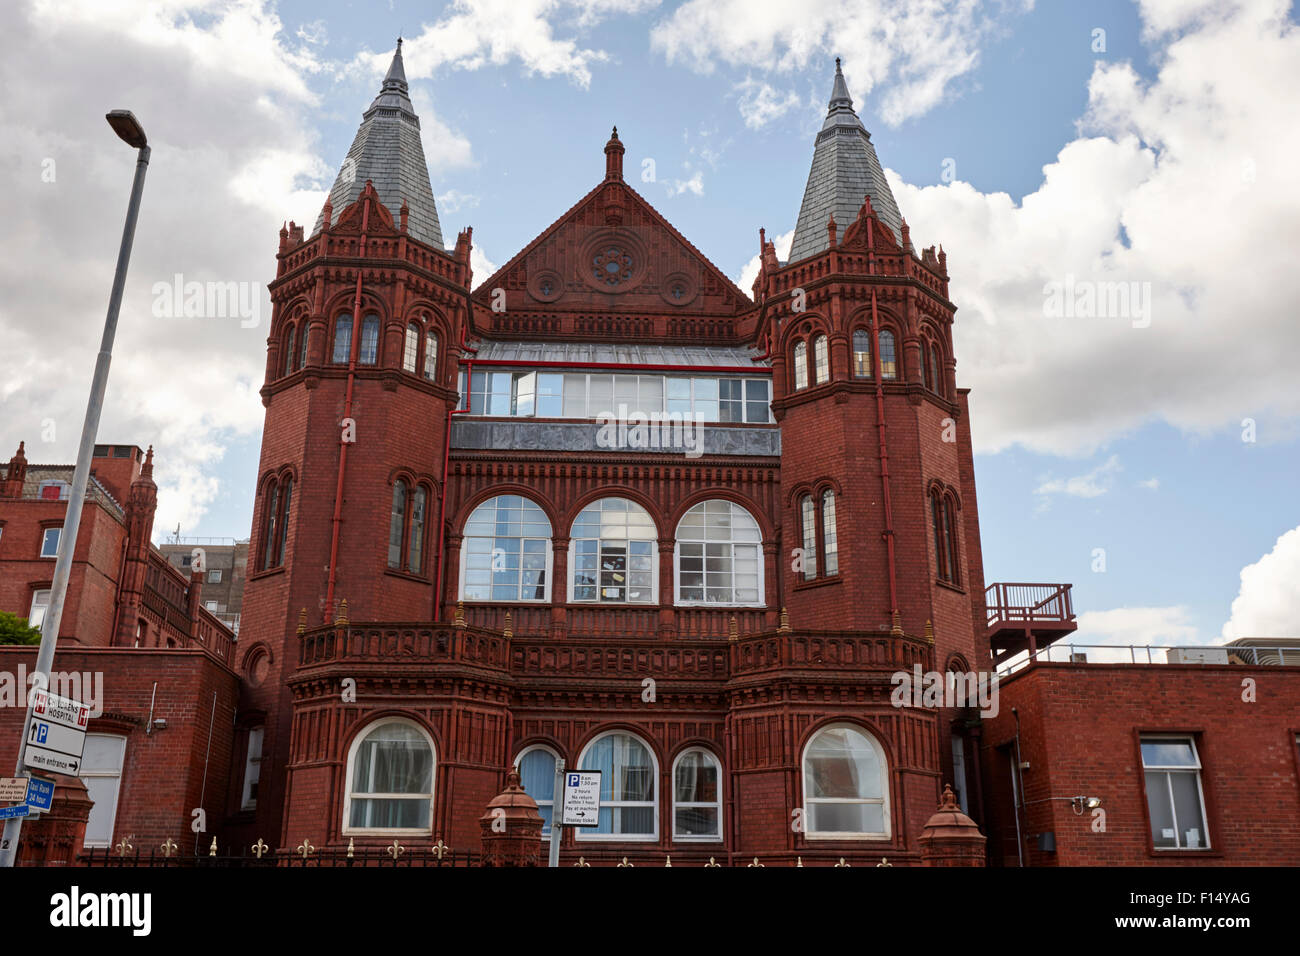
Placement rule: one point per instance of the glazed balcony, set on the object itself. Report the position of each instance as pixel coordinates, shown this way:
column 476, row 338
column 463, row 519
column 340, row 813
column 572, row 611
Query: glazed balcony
column 1026, row 617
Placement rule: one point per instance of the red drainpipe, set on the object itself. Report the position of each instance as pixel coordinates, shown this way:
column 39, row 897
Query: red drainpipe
column 880, row 428
column 347, row 413
column 446, row 452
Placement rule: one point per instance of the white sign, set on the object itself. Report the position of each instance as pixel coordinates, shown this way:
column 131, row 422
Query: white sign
column 13, row 789
column 581, row 798
column 57, row 734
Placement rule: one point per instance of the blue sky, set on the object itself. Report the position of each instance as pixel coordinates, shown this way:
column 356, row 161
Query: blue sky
column 516, row 111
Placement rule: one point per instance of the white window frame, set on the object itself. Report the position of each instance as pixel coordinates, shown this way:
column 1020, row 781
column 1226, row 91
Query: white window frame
column 800, row 362
column 45, row 537
column 654, row 559
column 808, row 802
column 689, row 805
column 117, row 786
column 65, row 489
column 550, row 558
column 519, row 759
column 677, row 562
column 214, row 576
column 821, row 360
column 43, row 605
column 584, row 834
column 349, row 795
column 1169, row 770
column 252, row 768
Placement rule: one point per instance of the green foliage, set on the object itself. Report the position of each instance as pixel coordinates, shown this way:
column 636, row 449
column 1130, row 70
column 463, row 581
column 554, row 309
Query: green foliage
column 16, row 630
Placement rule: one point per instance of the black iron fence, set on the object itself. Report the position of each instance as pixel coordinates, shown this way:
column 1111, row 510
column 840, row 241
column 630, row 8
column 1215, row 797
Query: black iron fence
column 255, row 856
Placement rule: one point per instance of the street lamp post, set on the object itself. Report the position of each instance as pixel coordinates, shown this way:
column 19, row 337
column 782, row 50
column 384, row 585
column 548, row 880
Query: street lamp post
column 128, row 128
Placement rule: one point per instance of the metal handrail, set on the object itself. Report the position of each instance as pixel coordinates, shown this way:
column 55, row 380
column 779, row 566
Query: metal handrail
column 1263, row 656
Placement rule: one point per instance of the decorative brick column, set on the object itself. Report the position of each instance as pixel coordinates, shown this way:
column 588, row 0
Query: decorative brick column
column 55, row 838
column 512, row 827
column 950, row 838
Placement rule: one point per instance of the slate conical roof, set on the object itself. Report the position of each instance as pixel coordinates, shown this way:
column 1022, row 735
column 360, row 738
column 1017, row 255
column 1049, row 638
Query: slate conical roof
column 387, row 151
column 844, row 170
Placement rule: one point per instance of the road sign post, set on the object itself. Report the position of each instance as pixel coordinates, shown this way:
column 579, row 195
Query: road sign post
column 557, row 804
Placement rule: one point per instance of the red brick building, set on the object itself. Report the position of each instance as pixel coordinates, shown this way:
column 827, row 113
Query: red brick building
column 605, row 507
column 135, row 643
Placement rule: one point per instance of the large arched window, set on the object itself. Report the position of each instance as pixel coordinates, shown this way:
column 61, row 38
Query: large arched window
column 862, row 354
column 942, row 566
column 390, row 779
column 406, row 527
column 507, row 551
column 369, row 352
column 800, row 365
column 342, row 340
column 936, row 370
column 415, row 544
column 888, row 355
column 697, row 796
column 537, row 776
column 719, row 556
column 411, row 348
column 286, row 498
column 613, row 553
column 845, row 785
column 830, row 541
column 629, row 788
column 808, row 532
column 431, row 355
column 302, row 344
column 950, row 533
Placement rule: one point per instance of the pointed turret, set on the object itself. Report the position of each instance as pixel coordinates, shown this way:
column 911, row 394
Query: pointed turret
column 844, row 169
column 387, row 151
column 15, row 475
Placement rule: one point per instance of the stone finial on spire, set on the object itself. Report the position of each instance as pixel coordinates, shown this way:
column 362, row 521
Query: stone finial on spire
column 614, row 157
column 831, row 231
column 395, row 78
column 12, row 486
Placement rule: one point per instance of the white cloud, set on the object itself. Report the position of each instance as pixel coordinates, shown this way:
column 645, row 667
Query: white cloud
column 761, row 103
column 1134, row 626
column 1182, row 183
column 749, row 272
column 915, row 50
column 226, row 108
column 693, row 185
column 1094, row 484
column 444, row 148
column 1151, row 483
column 453, row 201
column 480, row 265
column 1268, row 604
column 475, row 33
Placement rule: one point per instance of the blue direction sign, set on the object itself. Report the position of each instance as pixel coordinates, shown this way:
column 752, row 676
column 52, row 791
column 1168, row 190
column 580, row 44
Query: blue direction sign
column 8, row 813
column 40, row 793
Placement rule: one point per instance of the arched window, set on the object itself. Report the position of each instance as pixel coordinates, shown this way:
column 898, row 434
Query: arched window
column 507, row 551
column 942, row 565
column 888, row 358
column 936, row 370
column 537, row 776
column 342, row 339
column 862, row 354
column 821, row 359
column 302, row 345
column 950, row 530
column 286, row 497
column 719, row 556
column 431, row 355
column 270, row 522
column 397, row 524
column 830, row 541
column 415, row 547
column 390, row 780
column 808, row 528
column 411, row 348
column 697, row 796
column 800, row 365
column 613, row 554
column 369, row 340
column 629, row 788
column 845, row 785
column 289, row 353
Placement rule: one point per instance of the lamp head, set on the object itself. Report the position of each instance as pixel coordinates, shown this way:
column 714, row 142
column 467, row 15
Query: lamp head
column 128, row 128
